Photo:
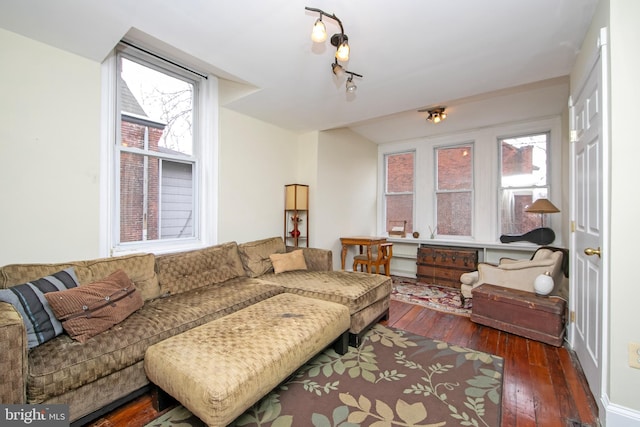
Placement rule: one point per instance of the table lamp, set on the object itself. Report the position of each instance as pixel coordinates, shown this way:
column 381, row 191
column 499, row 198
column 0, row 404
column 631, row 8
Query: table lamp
column 542, row 235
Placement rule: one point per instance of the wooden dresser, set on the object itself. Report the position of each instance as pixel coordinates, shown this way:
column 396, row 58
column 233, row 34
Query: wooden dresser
column 443, row 265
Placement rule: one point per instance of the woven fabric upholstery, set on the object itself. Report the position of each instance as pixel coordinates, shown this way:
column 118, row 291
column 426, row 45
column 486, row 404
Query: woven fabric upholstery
column 184, row 271
column 62, row 364
column 316, row 259
column 366, row 295
column 85, row 400
column 15, row 274
column 139, row 268
column 220, row 369
column 255, row 255
column 353, row 289
column 14, row 355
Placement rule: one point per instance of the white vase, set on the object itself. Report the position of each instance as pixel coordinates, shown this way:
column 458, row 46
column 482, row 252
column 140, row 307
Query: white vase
column 543, row 285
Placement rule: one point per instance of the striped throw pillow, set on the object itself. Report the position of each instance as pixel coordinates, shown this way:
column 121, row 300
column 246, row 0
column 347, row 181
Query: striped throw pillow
column 28, row 299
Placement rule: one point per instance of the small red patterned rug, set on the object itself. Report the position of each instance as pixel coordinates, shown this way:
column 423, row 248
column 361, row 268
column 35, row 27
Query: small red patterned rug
column 439, row 298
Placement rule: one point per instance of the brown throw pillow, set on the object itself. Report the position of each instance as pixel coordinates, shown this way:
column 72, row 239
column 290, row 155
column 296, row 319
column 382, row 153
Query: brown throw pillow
column 288, row 262
column 90, row 309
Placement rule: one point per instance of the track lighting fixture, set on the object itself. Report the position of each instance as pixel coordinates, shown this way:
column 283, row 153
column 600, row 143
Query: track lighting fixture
column 340, row 41
column 436, row 115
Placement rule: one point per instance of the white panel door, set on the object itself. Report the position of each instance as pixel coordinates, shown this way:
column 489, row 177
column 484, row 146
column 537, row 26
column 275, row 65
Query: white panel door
column 589, row 172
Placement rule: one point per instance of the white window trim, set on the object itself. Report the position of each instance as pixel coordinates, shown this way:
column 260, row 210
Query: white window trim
column 207, row 172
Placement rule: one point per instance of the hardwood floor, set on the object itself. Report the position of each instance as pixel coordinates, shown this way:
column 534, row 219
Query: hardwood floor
column 543, row 385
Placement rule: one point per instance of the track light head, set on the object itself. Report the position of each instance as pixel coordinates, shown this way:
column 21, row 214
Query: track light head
column 319, row 32
column 351, row 86
column 341, row 42
column 337, row 69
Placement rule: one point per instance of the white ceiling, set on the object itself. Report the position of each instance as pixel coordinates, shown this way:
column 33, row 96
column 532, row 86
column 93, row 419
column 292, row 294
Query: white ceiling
column 413, row 53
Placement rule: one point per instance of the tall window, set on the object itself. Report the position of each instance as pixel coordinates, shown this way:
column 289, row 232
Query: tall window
column 523, row 179
column 156, row 153
column 399, row 168
column 454, row 191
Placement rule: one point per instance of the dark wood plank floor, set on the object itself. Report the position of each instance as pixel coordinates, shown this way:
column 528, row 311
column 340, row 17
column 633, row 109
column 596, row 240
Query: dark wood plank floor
column 543, row 385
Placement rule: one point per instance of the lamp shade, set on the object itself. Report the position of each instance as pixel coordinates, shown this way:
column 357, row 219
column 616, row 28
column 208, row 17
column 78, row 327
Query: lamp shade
column 542, row 206
column 342, row 54
column 319, row 32
column 296, row 197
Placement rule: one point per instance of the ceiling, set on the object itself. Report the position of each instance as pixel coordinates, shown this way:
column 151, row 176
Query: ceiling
column 414, row 54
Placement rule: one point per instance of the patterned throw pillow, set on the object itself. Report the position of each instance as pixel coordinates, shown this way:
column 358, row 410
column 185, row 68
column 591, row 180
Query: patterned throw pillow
column 91, row 309
column 29, row 300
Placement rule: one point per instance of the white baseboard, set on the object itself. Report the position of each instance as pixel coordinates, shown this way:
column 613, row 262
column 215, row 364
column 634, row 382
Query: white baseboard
column 620, row 416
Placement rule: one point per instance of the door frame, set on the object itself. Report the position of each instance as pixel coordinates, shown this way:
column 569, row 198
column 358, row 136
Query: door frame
column 600, row 54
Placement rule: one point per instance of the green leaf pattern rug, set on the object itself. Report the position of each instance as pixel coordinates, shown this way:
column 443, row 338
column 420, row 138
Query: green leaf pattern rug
column 395, row 378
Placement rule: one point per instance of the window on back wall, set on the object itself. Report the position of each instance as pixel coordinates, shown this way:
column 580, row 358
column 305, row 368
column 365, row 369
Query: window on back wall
column 454, row 190
column 155, row 151
column 399, row 188
column 523, row 179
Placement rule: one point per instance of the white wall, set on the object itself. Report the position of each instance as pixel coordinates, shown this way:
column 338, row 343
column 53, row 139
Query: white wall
column 50, row 160
column 345, row 204
column 256, row 161
column 49, row 147
column 625, row 202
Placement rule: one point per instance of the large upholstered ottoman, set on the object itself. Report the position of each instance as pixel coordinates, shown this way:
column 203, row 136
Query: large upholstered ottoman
column 218, row 370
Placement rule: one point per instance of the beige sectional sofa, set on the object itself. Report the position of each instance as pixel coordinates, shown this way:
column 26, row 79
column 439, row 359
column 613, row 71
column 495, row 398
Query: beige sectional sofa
column 180, row 291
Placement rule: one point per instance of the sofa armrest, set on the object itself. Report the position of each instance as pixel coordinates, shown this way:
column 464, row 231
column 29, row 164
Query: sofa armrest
column 315, row 258
column 13, row 359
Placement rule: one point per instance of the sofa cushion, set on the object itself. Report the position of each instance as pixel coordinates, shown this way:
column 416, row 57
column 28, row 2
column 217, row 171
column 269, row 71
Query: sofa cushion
column 354, row 289
column 255, row 255
column 139, row 267
column 290, row 261
column 29, row 300
column 91, row 309
column 63, row 364
column 15, row 274
column 183, row 271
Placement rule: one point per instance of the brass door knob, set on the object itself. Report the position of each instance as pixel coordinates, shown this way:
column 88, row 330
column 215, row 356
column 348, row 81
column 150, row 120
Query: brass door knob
column 591, row 252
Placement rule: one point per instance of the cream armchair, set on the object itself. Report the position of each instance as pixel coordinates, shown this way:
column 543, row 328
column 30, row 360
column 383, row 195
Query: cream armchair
column 519, row 274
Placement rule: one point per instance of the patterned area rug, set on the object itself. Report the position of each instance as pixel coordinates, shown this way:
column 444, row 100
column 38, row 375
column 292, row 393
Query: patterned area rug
column 395, row 378
column 440, row 298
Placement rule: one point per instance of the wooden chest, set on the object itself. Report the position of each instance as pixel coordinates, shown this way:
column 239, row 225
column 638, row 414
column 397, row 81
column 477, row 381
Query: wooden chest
column 443, row 265
column 519, row 312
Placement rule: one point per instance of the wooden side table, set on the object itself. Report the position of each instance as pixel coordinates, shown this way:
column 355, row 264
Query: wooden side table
column 362, row 241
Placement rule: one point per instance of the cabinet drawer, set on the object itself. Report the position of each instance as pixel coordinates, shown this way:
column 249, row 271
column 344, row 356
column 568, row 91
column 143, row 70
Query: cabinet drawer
column 440, row 276
column 448, row 257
